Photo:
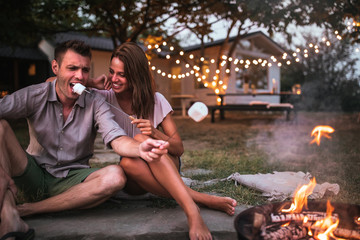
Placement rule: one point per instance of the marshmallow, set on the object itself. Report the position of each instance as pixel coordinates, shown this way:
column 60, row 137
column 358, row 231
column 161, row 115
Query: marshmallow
column 198, row 111
column 78, row 88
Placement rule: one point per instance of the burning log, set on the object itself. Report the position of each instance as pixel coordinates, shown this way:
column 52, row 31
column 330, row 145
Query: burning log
column 319, row 221
column 347, row 233
column 267, row 221
column 311, row 216
column 293, row 231
column 297, row 231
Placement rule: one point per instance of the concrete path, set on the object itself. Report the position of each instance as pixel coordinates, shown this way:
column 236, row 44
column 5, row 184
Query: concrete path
column 139, row 219
column 128, row 220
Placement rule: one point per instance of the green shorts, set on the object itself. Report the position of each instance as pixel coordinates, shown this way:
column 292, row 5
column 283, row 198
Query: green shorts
column 37, row 184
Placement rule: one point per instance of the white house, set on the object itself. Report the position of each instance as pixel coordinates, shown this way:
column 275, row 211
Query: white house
column 256, row 48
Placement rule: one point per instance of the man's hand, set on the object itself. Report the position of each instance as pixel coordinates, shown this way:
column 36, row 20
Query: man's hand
column 152, row 150
column 6, row 183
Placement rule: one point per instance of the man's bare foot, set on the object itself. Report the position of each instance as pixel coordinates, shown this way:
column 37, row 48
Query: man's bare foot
column 198, row 229
column 11, row 222
column 224, row 204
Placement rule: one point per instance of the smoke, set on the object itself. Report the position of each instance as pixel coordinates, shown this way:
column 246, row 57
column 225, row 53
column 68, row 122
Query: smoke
column 289, row 141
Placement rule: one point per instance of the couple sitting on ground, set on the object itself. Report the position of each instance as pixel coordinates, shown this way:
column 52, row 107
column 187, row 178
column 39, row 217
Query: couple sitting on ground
column 54, row 170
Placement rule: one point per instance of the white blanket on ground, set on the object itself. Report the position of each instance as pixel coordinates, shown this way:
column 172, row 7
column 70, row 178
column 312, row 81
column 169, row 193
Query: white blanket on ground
column 282, row 185
column 276, row 186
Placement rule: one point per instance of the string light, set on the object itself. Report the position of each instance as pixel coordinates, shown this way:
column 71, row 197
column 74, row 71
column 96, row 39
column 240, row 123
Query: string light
column 238, row 63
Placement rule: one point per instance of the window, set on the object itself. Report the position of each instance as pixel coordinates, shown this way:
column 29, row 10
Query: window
column 252, row 73
column 32, row 70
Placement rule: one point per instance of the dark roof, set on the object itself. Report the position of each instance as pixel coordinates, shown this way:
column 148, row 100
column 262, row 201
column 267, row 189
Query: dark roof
column 221, row 41
column 95, row 42
column 22, row 53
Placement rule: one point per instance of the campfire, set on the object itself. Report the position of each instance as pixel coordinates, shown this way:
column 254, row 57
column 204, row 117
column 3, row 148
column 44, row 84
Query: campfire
column 300, row 219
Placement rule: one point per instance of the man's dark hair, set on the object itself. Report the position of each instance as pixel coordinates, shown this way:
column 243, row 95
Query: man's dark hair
column 75, row 45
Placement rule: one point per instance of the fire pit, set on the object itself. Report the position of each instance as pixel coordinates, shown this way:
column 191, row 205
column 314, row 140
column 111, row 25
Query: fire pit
column 270, row 222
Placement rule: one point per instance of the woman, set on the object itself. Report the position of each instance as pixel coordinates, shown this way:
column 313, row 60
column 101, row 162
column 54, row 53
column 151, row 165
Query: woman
column 142, row 112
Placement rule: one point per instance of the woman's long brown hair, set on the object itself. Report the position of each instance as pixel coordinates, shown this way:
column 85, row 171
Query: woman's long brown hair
column 138, row 75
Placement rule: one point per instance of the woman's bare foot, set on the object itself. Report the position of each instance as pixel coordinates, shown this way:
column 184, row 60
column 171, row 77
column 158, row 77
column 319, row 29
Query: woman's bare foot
column 198, row 229
column 224, row 204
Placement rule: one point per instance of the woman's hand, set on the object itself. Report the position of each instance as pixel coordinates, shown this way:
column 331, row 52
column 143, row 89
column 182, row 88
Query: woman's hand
column 145, row 126
column 101, row 82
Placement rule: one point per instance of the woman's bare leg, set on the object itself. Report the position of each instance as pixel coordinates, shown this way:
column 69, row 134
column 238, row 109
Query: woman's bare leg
column 141, row 180
column 162, row 178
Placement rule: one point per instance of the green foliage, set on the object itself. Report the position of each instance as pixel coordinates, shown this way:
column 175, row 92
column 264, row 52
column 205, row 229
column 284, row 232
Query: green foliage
column 24, row 23
column 328, row 79
column 131, row 20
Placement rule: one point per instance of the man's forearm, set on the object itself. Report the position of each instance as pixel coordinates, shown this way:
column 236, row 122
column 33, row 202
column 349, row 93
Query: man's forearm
column 126, row 146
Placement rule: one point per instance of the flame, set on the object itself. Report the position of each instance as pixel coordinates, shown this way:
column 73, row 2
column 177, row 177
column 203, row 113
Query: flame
column 324, row 228
column 320, row 131
column 357, row 220
column 286, row 224
column 300, row 197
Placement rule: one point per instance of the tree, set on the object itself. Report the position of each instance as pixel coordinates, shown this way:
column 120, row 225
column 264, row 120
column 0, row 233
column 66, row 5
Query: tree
column 131, row 20
column 328, row 79
column 26, row 25
column 135, row 20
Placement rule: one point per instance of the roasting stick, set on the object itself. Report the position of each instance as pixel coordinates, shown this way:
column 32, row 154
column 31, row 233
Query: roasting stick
column 198, row 111
column 78, row 88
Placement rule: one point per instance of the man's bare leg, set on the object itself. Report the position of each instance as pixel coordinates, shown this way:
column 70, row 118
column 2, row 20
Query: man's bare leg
column 13, row 161
column 97, row 188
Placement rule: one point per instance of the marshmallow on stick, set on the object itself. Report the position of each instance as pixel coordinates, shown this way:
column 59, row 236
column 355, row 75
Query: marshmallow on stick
column 198, row 111
column 78, row 88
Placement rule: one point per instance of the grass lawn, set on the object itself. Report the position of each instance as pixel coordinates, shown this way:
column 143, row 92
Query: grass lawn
column 263, row 143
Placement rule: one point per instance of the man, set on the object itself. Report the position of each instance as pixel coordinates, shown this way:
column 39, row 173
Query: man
column 63, row 125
